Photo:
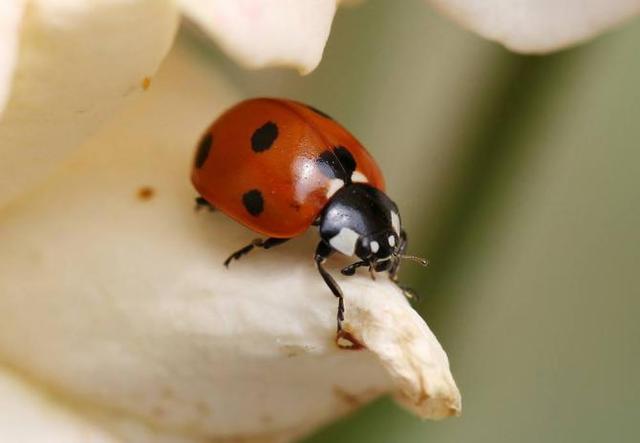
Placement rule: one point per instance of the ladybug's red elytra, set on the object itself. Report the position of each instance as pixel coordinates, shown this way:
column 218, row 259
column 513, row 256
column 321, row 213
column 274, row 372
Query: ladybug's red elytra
column 278, row 166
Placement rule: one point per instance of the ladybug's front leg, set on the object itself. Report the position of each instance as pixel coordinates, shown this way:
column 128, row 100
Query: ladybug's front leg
column 323, row 251
column 402, row 246
column 351, row 269
column 393, row 272
column 257, row 243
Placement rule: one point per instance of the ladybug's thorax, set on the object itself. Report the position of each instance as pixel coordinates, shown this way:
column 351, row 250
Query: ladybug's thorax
column 361, row 220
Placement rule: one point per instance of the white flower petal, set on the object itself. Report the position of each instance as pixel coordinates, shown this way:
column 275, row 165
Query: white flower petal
column 538, row 25
column 78, row 61
column 408, row 350
column 133, row 312
column 10, row 18
column 259, row 33
column 30, row 417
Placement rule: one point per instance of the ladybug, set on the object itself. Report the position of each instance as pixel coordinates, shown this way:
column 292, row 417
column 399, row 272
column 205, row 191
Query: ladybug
column 278, row 167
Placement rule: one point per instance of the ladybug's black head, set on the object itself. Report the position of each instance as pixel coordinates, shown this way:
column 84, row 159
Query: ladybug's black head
column 361, row 220
column 380, row 249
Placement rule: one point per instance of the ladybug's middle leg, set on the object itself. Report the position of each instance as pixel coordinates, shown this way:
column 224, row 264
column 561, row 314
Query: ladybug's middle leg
column 257, row 243
column 323, row 251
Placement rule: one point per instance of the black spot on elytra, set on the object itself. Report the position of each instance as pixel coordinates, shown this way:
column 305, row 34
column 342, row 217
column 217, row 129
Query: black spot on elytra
column 203, row 149
column 337, row 163
column 346, row 159
column 319, row 112
column 264, row 136
column 253, row 202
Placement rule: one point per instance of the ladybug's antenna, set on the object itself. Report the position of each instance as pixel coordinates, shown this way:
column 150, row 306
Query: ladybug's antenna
column 423, row 261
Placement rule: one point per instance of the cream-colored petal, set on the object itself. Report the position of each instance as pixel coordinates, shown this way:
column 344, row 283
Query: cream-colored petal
column 133, row 312
column 259, row 33
column 77, row 63
column 408, row 350
column 10, row 17
column 538, row 25
column 28, row 416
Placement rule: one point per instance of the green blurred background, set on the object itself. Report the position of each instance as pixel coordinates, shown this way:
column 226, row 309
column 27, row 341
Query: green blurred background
column 519, row 178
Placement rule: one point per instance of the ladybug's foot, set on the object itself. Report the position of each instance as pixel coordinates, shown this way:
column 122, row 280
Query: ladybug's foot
column 201, row 203
column 257, row 243
column 408, row 292
column 351, row 269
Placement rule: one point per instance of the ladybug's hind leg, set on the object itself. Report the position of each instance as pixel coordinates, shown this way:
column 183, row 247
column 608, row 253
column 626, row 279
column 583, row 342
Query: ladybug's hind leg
column 201, row 203
column 257, row 243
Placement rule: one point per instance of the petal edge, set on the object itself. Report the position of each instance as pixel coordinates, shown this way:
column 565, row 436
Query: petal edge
column 541, row 26
column 265, row 33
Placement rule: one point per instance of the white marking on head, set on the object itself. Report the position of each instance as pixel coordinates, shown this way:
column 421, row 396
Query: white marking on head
column 392, row 241
column 359, row 177
column 374, row 246
column 345, row 241
column 395, row 222
column 334, row 185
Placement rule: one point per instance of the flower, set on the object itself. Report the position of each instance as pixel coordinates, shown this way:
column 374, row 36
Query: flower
column 119, row 324
column 133, row 315
column 132, row 330
column 538, row 26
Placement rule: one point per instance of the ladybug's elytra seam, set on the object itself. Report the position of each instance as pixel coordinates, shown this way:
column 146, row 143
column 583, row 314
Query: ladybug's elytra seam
column 317, row 111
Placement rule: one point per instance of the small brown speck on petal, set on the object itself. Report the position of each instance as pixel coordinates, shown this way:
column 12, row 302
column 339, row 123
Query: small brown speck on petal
column 146, row 193
column 146, row 82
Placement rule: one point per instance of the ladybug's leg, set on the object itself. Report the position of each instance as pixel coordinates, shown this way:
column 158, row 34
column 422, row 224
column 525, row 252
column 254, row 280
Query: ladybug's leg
column 257, row 243
column 351, row 269
column 201, row 203
column 393, row 272
column 402, row 247
column 323, row 251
